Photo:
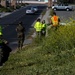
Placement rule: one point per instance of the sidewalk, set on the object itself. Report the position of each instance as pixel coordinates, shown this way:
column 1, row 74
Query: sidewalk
column 3, row 14
column 29, row 40
column 46, row 16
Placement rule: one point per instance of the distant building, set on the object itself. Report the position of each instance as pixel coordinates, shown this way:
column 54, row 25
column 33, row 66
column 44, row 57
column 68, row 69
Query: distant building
column 6, row 3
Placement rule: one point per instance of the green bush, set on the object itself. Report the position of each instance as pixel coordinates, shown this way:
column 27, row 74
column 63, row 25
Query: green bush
column 62, row 39
column 52, row 55
column 18, row 6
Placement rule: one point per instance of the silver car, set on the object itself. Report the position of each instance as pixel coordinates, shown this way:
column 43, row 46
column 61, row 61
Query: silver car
column 35, row 8
column 62, row 7
column 30, row 11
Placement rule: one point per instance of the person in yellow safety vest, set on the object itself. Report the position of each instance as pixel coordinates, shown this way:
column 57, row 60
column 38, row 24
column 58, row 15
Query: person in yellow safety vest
column 43, row 31
column 1, row 29
column 55, row 21
column 38, row 27
column 1, row 45
column 2, row 40
column 4, row 50
column 1, row 35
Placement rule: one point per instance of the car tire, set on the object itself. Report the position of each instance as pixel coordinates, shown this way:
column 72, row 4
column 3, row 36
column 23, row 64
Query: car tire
column 55, row 9
column 67, row 9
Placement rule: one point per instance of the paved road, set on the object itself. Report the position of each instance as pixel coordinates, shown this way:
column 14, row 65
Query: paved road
column 65, row 16
column 10, row 22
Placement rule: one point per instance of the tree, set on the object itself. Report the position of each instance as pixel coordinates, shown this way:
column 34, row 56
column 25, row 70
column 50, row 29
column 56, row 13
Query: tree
column 49, row 3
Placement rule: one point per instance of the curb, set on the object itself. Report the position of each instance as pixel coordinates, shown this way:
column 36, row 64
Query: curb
column 4, row 14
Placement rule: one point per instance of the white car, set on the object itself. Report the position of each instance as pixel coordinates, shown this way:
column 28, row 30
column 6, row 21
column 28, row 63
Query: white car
column 35, row 8
column 30, row 11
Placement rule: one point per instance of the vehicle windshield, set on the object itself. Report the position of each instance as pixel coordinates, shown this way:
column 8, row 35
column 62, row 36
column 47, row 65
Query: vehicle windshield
column 34, row 6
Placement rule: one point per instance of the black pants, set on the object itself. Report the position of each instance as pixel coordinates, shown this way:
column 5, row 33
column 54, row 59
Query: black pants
column 5, row 51
column 38, row 33
column 43, row 33
column 54, row 27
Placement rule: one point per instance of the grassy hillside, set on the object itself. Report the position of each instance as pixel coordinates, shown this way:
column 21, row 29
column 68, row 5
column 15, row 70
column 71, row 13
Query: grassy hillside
column 52, row 55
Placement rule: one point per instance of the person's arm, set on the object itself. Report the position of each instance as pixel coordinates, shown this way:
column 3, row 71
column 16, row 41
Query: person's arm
column 35, row 25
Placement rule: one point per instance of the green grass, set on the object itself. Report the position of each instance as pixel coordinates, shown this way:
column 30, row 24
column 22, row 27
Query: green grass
column 52, row 55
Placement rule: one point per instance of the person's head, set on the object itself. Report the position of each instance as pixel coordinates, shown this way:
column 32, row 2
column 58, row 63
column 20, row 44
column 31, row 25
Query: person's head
column 38, row 20
column 43, row 21
column 54, row 13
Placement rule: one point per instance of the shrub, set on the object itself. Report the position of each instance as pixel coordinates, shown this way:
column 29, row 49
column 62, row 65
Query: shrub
column 52, row 55
column 61, row 39
column 51, row 12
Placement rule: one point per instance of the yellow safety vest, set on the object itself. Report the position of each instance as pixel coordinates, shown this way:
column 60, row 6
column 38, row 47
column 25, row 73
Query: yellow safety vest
column 54, row 20
column 38, row 26
column 0, row 33
column 43, row 25
column 0, row 30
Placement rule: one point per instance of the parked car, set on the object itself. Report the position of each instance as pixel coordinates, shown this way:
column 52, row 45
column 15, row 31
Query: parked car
column 62, row 7
column 30, row 11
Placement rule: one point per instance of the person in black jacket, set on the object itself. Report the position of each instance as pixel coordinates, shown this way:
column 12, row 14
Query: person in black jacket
column 4, row 50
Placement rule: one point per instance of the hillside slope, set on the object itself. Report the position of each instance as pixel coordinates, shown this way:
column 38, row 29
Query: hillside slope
column 52, row 55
